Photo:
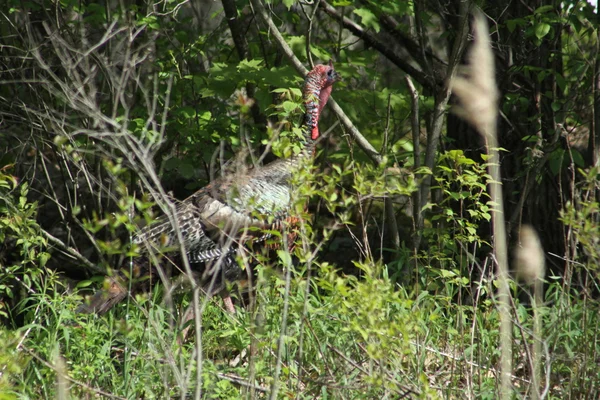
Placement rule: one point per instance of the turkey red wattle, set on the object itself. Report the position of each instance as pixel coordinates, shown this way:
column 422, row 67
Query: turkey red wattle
column 323, row 98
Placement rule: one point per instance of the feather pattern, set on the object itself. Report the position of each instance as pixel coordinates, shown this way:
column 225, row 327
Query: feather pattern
column 215, row 219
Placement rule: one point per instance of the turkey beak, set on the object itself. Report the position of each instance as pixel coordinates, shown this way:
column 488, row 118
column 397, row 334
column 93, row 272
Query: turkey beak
column 336, row 77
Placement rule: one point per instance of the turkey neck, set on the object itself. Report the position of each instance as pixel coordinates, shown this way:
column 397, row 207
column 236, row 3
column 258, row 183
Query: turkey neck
column 315, row 96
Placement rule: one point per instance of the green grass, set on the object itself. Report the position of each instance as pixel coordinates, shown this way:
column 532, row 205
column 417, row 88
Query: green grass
column 350, row 338
column 377, row 333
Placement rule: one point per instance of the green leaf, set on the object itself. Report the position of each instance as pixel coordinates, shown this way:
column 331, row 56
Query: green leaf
column 577, row 158
column 368, row 18
column 285, row 257
column 319, row 52
column 447, row 274
column 297, row 43
column 511, row 24
column 186, row 112
column 43, row 258
column 542, row 30
column 186, row 170
column 544, row 9
column 561, row 82
column 172, row 163
column 556, row 105
column 555, row 160
column 250, row 65
column 289, row 106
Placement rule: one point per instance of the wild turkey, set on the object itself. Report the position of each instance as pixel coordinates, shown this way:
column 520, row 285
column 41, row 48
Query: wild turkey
column 230, row 211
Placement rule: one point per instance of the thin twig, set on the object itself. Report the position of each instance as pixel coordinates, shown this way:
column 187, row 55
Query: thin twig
column 416, row 138
column 309, row 31
column 238, row 380
column 390, row 221
column 72, row 252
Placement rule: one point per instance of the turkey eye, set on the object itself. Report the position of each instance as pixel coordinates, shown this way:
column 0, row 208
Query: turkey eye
column 330, row 72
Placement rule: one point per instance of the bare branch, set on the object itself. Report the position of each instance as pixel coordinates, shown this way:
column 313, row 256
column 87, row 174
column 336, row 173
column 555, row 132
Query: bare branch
column 72, row 252
column 416, row 135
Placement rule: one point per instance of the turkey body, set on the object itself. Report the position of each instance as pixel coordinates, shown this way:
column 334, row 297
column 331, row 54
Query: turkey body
column 226, row 215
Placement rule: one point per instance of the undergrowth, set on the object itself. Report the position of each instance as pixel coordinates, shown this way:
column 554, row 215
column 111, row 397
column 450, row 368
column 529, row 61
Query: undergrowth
column 348, row 336
column 107, row 109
